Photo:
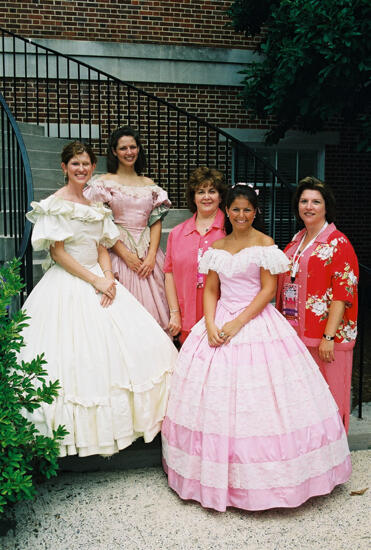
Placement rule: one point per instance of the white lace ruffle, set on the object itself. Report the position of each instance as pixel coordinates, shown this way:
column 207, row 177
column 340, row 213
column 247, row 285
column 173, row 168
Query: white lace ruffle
column 57, row 206
column 221, row 261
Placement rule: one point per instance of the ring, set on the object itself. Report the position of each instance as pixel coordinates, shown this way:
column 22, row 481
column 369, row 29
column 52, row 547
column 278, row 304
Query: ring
column 222, row 334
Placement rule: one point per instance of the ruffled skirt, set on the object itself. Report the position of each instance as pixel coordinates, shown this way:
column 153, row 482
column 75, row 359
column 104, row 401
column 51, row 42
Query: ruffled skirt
column 113, row 364
column 252, row 424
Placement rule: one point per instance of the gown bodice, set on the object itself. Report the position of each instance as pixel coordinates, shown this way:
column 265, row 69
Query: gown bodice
column 239, row 273
column 134, row 208
column 80, row 226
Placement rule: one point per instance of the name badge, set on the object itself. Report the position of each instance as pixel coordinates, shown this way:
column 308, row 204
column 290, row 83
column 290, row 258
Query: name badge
column 290, row 302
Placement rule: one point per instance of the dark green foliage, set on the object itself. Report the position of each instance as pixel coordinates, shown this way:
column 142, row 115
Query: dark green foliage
column 24, row 453
column 249, row 16
column 316, row 64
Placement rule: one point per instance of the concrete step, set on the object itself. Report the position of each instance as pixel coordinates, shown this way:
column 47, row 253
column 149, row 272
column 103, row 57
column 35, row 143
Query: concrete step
column 7, row 248
column 28, row 129
column 40, row 142
column 31, row 129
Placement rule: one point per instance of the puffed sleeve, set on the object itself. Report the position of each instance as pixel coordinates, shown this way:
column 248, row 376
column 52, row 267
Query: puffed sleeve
column 51, row 219
column 98, row 190
column 110, row 232
column 273, row 259
column 168, row 264
column 208, row 261
column 161, row 205
column 345, row 272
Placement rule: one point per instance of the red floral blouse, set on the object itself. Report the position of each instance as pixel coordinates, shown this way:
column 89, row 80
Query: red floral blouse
column 328, row 270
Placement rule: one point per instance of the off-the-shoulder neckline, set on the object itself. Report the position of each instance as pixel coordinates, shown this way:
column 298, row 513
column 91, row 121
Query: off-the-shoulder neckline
column 244, row 249
column 123, row 184
column 54, row 196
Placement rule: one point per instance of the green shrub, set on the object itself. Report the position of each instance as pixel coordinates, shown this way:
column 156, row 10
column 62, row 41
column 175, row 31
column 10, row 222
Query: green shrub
column 25, row 455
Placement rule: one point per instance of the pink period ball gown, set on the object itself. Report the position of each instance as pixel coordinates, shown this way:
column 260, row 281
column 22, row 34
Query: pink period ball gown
column 135, row 209
column 251, row 424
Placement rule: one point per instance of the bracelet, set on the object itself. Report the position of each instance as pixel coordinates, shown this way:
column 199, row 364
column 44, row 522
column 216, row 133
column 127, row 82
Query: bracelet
column 110, row 270
column 329, row 338
column 174, row 310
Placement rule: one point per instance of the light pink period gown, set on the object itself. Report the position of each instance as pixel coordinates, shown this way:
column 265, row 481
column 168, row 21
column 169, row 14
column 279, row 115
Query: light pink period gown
column 251, row 424
column 134, row 210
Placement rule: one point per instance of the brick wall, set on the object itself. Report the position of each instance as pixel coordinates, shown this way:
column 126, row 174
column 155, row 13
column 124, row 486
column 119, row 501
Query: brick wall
column 186, row 23
column 349, row 174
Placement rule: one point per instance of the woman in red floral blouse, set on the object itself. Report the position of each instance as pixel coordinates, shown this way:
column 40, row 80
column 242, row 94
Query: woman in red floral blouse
column 318, row 295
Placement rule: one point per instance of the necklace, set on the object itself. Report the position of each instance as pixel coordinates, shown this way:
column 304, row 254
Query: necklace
column 202, row 229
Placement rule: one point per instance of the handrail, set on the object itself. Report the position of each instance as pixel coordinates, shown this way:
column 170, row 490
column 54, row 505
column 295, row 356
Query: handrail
column 16, row 192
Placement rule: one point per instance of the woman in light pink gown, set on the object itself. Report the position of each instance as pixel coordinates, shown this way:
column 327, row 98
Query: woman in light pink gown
column 138, row 207
column 250, row 422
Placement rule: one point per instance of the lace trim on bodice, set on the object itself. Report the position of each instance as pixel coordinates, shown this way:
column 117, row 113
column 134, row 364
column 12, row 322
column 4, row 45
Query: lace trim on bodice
column 139, row 246
column 222, row 261
column 132, row 190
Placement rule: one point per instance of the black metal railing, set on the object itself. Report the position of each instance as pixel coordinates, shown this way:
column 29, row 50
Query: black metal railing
column 362, row 352
column 74, row 100
column 16, row 194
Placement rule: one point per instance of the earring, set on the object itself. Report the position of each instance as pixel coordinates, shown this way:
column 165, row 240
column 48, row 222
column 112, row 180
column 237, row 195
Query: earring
column 65, row 178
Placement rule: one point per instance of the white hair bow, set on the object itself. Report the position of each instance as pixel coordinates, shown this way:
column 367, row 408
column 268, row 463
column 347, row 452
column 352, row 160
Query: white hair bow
column 248, row 185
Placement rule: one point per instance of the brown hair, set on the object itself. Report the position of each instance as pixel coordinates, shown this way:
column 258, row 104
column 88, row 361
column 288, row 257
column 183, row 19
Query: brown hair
column 77, row 148
column 200, row 177
column 310, row 182
column 248, row 193
column 112, row 160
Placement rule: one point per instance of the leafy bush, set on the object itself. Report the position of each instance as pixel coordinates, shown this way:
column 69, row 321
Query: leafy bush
column 24, row 454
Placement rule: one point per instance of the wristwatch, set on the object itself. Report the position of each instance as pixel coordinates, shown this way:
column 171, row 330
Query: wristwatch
column 327, row 337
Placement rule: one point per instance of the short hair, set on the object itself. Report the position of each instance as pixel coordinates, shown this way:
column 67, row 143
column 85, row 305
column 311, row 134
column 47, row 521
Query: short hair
column 248, row 193
column 112, row 160
column 313, row 183
column 200, row 177
column 77, row 148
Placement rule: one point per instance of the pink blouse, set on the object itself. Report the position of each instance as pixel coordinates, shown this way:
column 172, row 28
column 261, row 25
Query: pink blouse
column 181, row 260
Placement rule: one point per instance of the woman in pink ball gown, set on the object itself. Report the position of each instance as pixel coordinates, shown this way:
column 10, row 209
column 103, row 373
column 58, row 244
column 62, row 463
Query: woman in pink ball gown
column 138, row 207
column 250, row 421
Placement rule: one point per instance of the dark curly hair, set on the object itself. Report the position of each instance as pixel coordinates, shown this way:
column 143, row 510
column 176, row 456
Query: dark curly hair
column 112, row 161
column 248, row 193
column 77, row 148
column 310, row 182
column 200, row 177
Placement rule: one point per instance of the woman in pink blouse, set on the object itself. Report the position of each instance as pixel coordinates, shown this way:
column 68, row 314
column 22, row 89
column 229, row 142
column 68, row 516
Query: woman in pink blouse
column 318, row 295
column 186, row 244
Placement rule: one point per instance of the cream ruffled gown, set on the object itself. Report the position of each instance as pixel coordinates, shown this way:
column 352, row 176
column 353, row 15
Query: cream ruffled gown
column 113, row 364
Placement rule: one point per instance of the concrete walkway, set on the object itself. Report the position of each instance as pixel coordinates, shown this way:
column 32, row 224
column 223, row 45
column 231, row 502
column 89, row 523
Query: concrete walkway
column 133, row 509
